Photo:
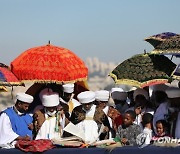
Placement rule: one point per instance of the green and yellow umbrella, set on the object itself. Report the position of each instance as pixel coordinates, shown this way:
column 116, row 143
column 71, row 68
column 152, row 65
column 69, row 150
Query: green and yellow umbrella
column 144, row 70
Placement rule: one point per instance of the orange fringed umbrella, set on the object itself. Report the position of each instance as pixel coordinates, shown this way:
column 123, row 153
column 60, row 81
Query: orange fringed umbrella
column 49, row 64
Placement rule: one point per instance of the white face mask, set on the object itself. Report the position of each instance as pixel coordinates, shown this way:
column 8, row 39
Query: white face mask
column 50, row 113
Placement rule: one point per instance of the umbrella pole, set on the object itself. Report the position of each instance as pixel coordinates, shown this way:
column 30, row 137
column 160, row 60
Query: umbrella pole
column 12, row 92
column 171, row 57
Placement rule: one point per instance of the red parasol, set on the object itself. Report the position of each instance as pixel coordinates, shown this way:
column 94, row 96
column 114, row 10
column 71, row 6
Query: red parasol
column 7, row 78
column 49, row 64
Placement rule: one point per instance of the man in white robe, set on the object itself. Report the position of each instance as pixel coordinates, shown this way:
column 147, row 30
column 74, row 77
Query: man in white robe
column 15, row 123
column 49, row 121
column 66, row 100
column 89, row 118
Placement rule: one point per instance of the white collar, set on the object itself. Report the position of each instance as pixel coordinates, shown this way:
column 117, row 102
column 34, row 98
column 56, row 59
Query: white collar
column 63, row 101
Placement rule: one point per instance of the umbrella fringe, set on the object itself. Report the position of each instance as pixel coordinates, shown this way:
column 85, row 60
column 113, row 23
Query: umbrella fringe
column 53, row 81
column 11, row 84
column 136, row 83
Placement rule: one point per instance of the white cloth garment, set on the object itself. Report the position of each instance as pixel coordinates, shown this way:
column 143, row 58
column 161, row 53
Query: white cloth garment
column 89, row 126
column 148, row 132
column 47, row 130
column 7, row 135
column 177, row 130
column 106, row 109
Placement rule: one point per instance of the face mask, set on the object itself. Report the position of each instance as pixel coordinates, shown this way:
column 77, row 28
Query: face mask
column 51, row 113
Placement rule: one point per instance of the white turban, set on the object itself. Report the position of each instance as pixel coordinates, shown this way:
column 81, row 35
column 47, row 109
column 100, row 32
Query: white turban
column 140, row 91
column 118, row 94
column 44, row 91
column 86, row 97
column 68, row 88
column 173, row 92
column 50, row 99
column 102, row 95
column 24, row 98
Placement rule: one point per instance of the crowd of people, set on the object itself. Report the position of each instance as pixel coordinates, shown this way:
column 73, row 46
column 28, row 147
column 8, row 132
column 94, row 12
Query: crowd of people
column 154, row 112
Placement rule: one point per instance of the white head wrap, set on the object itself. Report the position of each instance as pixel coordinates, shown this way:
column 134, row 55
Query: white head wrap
column 44, row 91
column 50, row 99
column 102, row 95
column 118, row 94
column 86, row 97
column 24, row 97
column 68, row 88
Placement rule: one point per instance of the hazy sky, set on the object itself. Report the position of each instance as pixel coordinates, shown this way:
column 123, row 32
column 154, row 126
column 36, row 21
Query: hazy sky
column 112, row 30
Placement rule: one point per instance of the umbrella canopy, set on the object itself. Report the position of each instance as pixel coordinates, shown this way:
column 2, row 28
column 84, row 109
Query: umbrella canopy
column 7, row 78
column 157, row 39
column 143, row 70
column 49, row 64
column 169, row 46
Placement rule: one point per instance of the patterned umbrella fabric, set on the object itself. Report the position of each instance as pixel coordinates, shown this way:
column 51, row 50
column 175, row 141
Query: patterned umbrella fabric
column 7, row 78
column 49, row 64
column 157, row 39
column 144, row 70
column 169, row 46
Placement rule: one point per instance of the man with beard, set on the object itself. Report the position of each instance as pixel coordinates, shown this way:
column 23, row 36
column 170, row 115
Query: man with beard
column 15, row 122
column 90, row 119
column 49, row 121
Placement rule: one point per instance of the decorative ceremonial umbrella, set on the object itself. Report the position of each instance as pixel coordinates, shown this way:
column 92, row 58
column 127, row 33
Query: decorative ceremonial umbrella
column 157, row 39
column 169, row 46
column 144, row 70
column 7, row 78
column 49, row 64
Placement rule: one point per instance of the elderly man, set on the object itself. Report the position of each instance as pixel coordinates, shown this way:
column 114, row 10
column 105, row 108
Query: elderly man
column 49, row 121
column 66, row 100
column 114, row 116
column 120, row 96
column 15, row 123
column 89, row 118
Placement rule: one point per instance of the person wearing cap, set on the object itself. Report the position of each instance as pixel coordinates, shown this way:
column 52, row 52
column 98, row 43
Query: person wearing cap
column 49, row 121
column 119, row 97
column 173, row 94
column 15, row 122
column 66, row 100
column 90, row 119
column 114, row 116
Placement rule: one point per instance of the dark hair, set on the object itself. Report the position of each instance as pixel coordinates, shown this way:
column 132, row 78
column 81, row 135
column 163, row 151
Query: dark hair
column 147, row 118
column 131, row 113
column 164, row 123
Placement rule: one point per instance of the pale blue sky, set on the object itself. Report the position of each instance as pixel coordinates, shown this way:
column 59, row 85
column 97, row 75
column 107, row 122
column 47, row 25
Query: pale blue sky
column 112, row 30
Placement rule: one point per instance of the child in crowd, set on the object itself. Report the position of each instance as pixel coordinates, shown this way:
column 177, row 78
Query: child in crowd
column 161, row 128
column 147, row 120
column 128, row 131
